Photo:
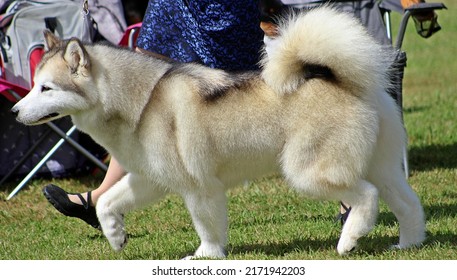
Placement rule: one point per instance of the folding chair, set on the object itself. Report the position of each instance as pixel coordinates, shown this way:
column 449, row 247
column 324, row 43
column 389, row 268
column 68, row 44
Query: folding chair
column 130, row 36
column 400, row 61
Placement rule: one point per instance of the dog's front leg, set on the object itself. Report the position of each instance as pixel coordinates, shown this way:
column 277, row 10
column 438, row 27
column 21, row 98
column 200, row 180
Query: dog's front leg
column 130, row 193
column 208, row 209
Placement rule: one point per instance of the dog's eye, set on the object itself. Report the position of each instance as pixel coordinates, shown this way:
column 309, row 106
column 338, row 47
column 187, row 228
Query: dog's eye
column 45, row 88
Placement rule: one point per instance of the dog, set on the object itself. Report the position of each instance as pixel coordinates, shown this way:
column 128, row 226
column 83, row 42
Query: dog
column 317, row 112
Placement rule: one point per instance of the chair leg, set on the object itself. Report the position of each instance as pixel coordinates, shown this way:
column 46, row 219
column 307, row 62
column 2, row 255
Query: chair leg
column 77, row 146
column 40, row 164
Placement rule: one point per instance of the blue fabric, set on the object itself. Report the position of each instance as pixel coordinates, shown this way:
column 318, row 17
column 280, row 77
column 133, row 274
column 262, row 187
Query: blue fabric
column 221, row 34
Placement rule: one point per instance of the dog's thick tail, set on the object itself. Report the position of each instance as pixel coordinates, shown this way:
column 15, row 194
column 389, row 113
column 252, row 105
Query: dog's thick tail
column 325, row 43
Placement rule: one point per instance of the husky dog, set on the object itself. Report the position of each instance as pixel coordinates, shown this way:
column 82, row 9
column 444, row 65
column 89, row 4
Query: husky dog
column 317, row 113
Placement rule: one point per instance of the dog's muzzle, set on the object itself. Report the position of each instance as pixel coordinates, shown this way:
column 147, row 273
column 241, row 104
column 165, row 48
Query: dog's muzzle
column 14, row 111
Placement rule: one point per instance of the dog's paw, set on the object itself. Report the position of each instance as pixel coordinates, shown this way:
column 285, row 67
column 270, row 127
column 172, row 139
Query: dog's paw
column 113, row 229
column 116, row 238
column 212, row 251
column 346, row 246
column 118, row 242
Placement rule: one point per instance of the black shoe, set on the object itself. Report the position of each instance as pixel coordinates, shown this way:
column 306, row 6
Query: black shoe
column 342, row 217
column 59, row 199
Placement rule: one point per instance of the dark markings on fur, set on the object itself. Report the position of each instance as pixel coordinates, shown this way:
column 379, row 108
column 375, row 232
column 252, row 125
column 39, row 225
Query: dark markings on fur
column 211, row 94
column 211, row 90
column 312, row 71
column 173, row 126
column 175, row 68
column 234, row 82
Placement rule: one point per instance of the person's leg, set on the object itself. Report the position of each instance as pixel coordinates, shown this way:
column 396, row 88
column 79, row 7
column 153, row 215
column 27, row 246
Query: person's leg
column 114, row 173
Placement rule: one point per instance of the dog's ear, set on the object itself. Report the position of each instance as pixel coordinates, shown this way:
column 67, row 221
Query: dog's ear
column 76, row 56
column 50, row 40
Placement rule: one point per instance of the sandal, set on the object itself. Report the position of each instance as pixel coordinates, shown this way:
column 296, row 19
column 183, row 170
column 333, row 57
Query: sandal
column 59, row 199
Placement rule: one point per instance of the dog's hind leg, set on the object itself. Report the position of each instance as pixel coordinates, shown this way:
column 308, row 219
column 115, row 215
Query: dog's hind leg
column 129, row 193
column 363, row 199
column 403, row 202
column 209, row 214
column 387, row 174
column 309, row 177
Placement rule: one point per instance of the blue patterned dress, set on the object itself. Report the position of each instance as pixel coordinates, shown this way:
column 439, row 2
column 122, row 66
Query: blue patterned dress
column 222, row 34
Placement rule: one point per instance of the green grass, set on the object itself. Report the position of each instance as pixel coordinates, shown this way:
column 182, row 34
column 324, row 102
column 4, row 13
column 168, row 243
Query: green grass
column 267, row 220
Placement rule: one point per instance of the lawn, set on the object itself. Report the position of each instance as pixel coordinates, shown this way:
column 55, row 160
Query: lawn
column 267, row 220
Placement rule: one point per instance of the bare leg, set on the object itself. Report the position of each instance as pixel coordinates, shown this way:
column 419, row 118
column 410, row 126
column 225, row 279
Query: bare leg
column 114, row 173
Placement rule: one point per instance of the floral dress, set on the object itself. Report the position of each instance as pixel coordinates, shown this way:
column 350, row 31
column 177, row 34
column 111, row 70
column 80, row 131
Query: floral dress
column 222, row 34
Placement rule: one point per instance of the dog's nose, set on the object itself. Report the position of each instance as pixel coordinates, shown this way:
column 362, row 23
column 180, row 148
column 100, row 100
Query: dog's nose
column 14, row 111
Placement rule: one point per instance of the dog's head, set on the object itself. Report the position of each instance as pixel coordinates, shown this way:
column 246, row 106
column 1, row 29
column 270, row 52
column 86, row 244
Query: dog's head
column 59, row 82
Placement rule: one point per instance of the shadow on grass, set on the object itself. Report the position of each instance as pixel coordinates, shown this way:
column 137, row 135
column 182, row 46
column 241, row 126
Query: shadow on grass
column 441, row 211
column 100, row 236
column 441, row 238
column 367, row 246
column 435, row 212
column 282, row 249
column 433, row 156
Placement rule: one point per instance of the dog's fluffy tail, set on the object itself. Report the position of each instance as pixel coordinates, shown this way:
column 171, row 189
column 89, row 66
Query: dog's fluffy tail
column 328, row 44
